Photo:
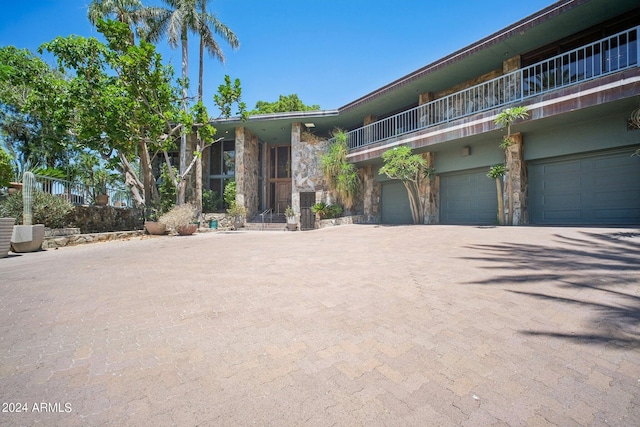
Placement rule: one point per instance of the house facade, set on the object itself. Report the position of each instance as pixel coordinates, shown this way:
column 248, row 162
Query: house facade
column 574, row 65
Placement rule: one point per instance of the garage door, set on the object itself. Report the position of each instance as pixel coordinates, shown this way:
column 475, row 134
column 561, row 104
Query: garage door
column 601, row 188
column 395, row 204
column 468, row 198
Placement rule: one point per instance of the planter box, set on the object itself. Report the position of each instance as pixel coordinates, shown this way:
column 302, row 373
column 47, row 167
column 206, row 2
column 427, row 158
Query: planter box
column 6, row 230
column 27, row 238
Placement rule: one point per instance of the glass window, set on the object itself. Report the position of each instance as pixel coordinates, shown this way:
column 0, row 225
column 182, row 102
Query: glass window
column 215, row 153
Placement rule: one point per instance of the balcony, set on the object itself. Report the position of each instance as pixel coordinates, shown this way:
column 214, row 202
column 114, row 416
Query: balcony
column 598, row 59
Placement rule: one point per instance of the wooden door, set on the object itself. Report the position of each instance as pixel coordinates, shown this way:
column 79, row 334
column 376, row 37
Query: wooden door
column 283, row 196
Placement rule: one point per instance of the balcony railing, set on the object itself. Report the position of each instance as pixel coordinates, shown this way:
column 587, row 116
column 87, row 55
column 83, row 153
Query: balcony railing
column 606, row 56
column 80, row 194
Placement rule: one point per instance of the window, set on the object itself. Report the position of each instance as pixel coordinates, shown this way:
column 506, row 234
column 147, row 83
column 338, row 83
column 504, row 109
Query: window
column 222, row 165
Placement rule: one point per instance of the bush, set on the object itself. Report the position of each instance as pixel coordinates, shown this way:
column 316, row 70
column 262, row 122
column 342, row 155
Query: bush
column 178, row 216
column 230, row 194
column 211, row 201
column 6, row 170
column 48, row 209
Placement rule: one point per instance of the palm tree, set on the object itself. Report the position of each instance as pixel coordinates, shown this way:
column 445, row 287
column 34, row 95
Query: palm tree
column 182, row 17
column 131, row 12
column 135, row 15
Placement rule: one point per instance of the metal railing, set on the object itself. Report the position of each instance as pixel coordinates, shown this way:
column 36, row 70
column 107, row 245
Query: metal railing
column 597, row 59
column 80, row 194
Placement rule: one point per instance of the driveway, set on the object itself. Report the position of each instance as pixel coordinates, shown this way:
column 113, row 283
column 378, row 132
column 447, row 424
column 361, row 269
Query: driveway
column 350, row 325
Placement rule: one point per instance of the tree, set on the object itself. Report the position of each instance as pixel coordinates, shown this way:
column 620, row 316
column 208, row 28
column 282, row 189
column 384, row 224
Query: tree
column 182, row 17
column 497, row 172
column 208, row 42
column 284, row 104
column 411, row 170
column 505, row 119
column 121, row 97
column 134, row 15
column 32, row 122
column 342, row 177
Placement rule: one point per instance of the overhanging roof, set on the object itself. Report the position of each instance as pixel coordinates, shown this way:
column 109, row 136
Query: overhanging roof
column 553, row 23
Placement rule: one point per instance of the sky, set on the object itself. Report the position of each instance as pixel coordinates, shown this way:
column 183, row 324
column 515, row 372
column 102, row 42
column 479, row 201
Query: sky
column 328, row 52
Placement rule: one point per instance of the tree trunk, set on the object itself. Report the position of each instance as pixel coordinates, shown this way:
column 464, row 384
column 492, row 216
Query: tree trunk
column 500, row 201
column 414, row 202
column 198, row 201
column 149, row 181
column 183, row 138
column 132, row 181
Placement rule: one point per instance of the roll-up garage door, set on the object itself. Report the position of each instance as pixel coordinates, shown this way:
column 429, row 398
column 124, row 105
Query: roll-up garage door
column 468, row 197
column 591, row 189
column 395, row 204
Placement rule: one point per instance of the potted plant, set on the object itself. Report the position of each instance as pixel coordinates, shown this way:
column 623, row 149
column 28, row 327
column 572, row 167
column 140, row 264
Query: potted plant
column 102, row 179
column 238, row 214
column 151, row 224
column 292, row 225
column 180, row 219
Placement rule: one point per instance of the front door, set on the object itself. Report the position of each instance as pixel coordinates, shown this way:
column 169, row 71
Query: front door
column 279, row 178
column 283, row 196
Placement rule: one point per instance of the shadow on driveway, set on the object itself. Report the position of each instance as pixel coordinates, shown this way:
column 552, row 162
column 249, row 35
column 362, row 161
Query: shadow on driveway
column 600, row 272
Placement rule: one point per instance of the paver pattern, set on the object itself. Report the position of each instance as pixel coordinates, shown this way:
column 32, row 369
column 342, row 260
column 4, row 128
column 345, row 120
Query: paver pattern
column 346, row 326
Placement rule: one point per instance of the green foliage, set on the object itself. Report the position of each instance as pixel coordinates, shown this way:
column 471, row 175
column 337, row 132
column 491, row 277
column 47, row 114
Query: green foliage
column 284, row 104
column 400, row 164
column 507, row 117
column 48, row 209
column 229, row 94
column 342, row 176
column 230, row 191
column 289, row 212
column 166, row 188
column 411, row 169
column 6, row 170
column 211, row 201
column 497, row 171
column 325, row 211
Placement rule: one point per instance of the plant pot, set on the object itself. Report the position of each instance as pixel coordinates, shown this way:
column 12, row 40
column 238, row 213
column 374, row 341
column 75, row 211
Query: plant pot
column 292, row 226
column 102, row 200
column 27, row 238
column 14, row 187
column 6, row 230
column 213, row 224
column 154, row 227
column 186, row 230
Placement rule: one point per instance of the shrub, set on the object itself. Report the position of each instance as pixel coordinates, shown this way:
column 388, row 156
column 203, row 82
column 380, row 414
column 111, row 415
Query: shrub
column 6, row 170
column 230, row 194
column 178, row 216
column 48, row 209
column 166, row 188
column 211, row 201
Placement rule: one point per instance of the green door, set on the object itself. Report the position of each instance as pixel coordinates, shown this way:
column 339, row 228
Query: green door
column 468, row 197
column 591, row 189
column 395, row 204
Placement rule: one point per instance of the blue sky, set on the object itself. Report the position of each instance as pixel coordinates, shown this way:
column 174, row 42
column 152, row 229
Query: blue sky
column 329, row 52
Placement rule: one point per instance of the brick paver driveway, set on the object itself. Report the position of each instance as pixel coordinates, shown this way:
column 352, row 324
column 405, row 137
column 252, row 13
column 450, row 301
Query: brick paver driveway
column 353, row 325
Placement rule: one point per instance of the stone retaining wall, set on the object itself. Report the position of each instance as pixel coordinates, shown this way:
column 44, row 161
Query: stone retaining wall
column 352, row 219
column 100, row 219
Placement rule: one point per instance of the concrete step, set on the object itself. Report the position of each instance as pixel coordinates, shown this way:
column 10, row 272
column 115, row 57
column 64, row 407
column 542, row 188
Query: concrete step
column 274, row 226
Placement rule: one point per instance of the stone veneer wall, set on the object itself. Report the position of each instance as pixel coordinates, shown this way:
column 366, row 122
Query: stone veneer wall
column 306, row 170
column 517, row 170
column 370, row 193
column 247, row 167
column 100, row 219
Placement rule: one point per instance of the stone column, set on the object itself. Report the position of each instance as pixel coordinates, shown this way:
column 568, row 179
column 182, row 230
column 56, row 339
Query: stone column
column 370, row 194
column 430, row 190
column 247, row 170
column 516, row 196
